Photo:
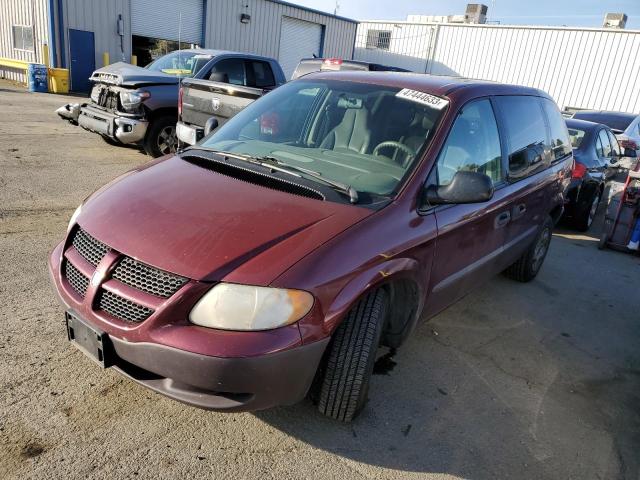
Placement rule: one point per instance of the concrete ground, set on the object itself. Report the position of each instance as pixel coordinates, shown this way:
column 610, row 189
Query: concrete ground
column 535, row 381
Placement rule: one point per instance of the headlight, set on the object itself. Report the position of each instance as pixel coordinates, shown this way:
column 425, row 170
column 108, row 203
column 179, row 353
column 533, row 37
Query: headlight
column 131, row 100
column 229, row 306
column 74, row 217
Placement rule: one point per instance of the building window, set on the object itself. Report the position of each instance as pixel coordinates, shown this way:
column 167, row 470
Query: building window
column 380, row 39
column 23, row 37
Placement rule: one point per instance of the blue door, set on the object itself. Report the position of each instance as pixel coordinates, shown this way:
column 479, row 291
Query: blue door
column 82, row 53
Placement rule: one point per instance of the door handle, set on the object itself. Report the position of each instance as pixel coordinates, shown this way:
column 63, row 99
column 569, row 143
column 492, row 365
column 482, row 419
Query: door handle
column 502, row 219
column 519, row 210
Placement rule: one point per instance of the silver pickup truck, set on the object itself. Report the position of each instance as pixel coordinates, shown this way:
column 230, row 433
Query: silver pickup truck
column 209, row 101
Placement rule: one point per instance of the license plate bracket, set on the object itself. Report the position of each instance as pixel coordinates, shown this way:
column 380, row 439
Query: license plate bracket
column 89, row 340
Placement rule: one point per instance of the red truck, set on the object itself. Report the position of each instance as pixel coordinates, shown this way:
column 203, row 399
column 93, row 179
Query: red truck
column 273, row 258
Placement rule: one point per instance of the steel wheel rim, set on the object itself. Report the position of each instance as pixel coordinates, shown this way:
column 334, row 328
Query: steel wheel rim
column 540, row 251
column 167, row 140
column 593, row 210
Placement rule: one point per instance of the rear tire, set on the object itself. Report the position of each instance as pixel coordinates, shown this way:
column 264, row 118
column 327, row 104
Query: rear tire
column 528, row 265
column 161, row 137
column 350, row 359
column 584, row 219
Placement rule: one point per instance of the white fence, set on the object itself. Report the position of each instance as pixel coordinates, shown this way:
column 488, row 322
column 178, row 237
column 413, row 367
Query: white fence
column 579, row 68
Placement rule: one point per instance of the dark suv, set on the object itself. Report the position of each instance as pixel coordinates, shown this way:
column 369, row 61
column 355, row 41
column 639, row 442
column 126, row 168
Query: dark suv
column 322, row 221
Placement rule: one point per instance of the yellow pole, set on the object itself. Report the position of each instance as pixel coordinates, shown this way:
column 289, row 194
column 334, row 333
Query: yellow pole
column 45, row 54
column 105, row 59
column 134, row 60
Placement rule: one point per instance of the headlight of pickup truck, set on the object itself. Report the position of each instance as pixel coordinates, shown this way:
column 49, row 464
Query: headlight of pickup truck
column 230, row 306
column 132, row 100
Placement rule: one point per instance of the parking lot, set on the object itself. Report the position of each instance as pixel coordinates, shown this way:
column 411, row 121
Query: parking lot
column 538, row 380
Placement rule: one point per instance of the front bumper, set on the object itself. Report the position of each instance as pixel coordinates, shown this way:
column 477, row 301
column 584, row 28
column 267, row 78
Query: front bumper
column 124, row 129
column 206, row 368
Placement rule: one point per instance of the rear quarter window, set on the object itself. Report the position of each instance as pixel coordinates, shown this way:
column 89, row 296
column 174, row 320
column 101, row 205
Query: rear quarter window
column 560, row 143
column 526, row 134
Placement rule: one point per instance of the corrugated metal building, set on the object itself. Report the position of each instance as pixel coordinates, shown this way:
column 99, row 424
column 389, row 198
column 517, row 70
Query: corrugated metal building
column 579, row 68
column 78, row 32
column 24, row 29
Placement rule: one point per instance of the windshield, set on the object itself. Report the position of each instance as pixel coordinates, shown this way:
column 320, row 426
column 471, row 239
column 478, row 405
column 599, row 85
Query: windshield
column 576, row 137
column 364, row 136
column 179, row 63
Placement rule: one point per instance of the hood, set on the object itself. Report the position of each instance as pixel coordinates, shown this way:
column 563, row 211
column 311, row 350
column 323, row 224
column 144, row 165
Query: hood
column 125, row 74
column 203, row 225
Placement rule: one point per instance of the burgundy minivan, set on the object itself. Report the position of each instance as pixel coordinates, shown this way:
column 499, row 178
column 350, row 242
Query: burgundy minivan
column 272, row 259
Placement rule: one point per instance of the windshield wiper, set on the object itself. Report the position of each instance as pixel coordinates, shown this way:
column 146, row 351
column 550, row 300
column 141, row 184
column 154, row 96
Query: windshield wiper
column 276, row 164
column 272, row 162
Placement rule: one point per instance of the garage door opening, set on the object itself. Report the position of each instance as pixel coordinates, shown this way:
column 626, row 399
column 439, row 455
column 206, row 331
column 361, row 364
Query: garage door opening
column 147, row 49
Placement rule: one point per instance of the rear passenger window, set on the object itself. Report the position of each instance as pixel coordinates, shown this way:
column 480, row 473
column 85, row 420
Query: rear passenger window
column 606, row 144
column 260, row 75
column 233, row 68
column 560, row 143
column 526, row 134
column 472, row 145
column 615, row 146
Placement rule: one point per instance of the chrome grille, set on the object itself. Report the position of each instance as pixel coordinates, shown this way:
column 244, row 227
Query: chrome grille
column 76, row 279
column 91, row 249
column 122, row 308
column 146, row 278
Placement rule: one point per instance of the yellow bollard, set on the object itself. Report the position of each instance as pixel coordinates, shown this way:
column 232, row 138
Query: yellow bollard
column 105, row 59
column 45, row 54
column 134, row 60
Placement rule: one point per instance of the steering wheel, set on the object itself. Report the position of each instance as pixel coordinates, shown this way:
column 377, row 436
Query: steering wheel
column 409, row 152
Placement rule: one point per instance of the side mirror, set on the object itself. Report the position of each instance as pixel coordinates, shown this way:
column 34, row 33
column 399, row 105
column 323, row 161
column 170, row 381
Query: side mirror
column 210, row 125
column 465, row 187
column 219, row 77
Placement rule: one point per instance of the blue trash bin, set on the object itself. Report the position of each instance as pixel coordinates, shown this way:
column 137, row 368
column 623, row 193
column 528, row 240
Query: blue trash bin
column 37, row 77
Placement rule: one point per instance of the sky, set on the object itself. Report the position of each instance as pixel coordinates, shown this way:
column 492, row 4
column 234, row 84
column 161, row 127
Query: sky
column 578, row 13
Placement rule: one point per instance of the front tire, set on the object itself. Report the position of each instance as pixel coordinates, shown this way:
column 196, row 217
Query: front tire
column 528, row 265
column 350, row 359
column 161, row 137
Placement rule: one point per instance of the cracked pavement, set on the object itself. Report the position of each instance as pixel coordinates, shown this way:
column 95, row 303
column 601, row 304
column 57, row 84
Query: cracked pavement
column 535, row 381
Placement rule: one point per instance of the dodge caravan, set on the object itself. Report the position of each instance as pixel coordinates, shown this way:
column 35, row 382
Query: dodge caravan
column 273, row 258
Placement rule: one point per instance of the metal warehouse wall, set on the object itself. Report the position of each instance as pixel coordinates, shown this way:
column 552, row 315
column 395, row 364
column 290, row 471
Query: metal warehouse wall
column 22, row 12
column 580, row 68
column 262, row 34
column 99, row 17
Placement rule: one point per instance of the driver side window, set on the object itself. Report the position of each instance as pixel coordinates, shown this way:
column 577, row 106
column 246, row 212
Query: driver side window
column 473, row 144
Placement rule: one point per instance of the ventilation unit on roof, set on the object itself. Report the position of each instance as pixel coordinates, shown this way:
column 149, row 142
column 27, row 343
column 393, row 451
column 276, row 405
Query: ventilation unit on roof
column 615, row 20
column 476, row 13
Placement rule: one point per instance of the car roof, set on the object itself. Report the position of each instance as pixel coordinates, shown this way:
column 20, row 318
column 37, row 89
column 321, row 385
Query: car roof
column 435, row 84
column 607, row 113
column 217, row 53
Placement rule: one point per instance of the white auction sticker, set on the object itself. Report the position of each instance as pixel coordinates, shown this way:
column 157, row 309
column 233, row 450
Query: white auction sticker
column 424, row 98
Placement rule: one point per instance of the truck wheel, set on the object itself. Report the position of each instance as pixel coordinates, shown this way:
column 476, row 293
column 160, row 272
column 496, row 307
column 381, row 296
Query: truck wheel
column 161, row 137
column 528, row 265
column 350, row 359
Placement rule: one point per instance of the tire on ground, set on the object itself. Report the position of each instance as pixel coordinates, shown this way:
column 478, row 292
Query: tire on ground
column 350, row 358
column 528, row 265
column 583, row 220
column 156, row 129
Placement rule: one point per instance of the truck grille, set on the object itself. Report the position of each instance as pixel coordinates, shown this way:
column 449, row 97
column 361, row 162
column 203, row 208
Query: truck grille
column 122, row 308
column 108, row 99
column 76, row 279
column 91, row 249
column 146, row 278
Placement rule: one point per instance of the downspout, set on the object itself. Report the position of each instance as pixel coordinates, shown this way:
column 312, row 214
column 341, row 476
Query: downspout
column 53, row 47
column 203, row 36
column 432, row 49
column 63, row 53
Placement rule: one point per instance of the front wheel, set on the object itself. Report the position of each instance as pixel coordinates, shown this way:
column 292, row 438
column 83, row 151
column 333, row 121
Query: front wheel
column 528, row 265
column 161, row 137
column 350, row 359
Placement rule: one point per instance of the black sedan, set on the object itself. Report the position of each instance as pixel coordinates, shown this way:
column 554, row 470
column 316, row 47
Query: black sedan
column 596, row 151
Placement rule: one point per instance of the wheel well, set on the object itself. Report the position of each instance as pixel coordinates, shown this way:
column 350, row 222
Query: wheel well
column 162, row 112
column 401, row 317
column 556, row 213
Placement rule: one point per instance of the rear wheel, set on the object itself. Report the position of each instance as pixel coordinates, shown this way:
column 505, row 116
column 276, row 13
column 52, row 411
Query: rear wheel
column 161, row 137
column 584, row 219
column 350, row 359
column 529, row 264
